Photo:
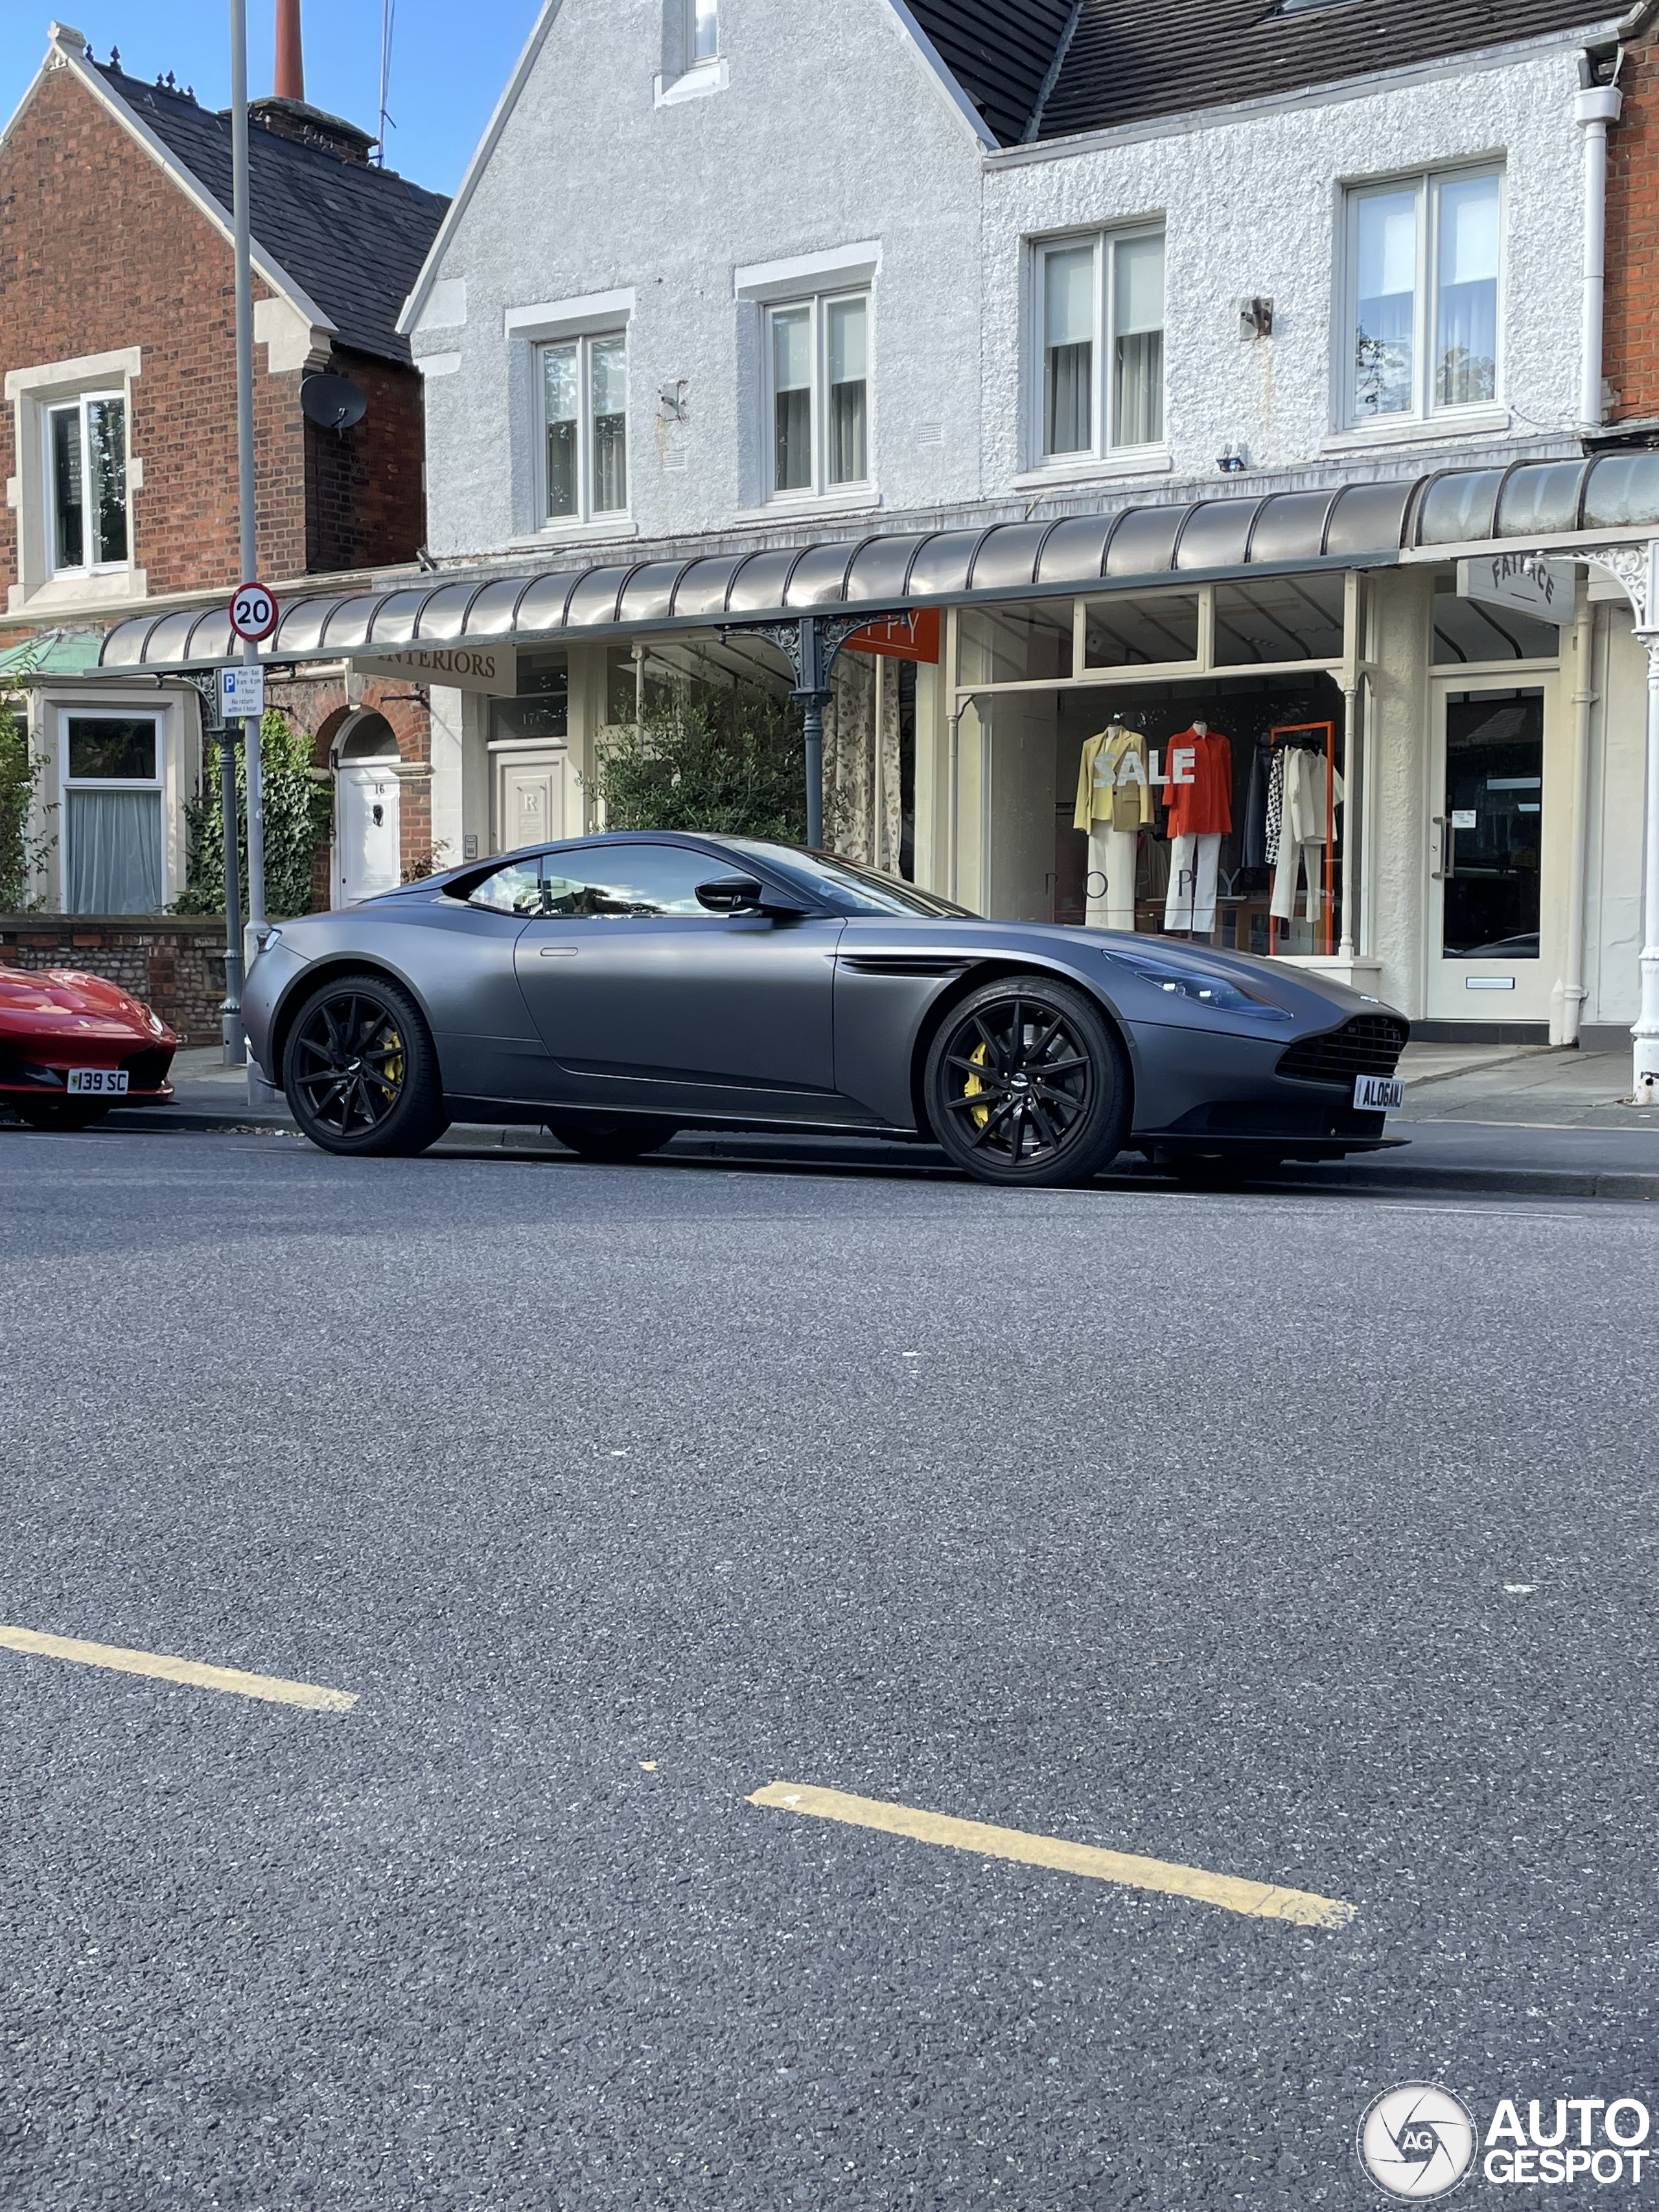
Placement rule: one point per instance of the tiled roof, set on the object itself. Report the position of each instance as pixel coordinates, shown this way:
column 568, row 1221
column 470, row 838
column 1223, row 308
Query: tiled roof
column 1129, row 60
column 999, row 52
column 352, row 236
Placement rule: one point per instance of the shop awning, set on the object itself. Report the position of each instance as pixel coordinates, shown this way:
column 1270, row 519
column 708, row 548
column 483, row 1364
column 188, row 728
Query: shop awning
column 1358, row 525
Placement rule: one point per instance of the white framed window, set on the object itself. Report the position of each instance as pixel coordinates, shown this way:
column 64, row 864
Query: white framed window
column 85, row 476
column 114, row 855
column 582, row 386
column 702, row 32
column 818, row 356
column 1423, row 279
column 1099, row 317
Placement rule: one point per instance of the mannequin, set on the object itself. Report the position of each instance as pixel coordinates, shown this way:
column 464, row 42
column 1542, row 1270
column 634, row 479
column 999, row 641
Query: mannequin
column 1198, row 792
column 1301, row 831
column 1113, row 802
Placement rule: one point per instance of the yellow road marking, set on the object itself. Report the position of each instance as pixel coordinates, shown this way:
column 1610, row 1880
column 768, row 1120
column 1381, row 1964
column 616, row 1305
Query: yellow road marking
column 271, row 1687
column 1262, row 1901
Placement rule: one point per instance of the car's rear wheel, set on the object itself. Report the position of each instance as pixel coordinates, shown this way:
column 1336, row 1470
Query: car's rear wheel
column 360, row 1071
column 1027, row 1082
column 62, row 1113
column 620, row 1140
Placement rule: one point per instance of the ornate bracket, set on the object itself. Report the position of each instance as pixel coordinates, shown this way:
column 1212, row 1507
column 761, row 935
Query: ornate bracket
column 1632, row 568
column 809, row 646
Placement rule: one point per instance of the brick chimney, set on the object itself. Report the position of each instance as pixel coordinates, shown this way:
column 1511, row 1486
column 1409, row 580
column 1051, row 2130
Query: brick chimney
column 290, row 58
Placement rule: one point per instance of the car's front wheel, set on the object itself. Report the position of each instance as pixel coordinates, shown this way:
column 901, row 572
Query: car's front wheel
column 360, row 1072
column 1027, row 1082
column 630, row 1141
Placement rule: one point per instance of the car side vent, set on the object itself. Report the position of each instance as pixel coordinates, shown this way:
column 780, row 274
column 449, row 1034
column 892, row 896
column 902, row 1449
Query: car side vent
column 1369, row 1044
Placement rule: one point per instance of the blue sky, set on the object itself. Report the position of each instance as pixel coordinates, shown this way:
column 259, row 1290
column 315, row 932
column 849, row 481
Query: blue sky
column 448, row 65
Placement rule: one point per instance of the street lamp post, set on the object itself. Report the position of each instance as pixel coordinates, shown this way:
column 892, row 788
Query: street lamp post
column 250, row 548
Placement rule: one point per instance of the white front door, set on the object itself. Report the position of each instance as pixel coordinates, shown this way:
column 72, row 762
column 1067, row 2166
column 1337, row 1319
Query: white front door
column 366, row 843
column 1491, row 807
column 530, row 796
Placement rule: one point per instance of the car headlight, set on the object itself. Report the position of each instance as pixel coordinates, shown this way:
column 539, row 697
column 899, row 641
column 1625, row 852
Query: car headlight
column 157, row 1026
column 1222, row 994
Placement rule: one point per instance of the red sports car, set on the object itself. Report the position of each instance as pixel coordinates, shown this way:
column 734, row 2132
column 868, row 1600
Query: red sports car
column 72, row 1046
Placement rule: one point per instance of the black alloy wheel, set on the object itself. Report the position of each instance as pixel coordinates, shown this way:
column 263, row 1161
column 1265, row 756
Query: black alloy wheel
column 360, row 1072
column 60, row 1114
column 618, row 1141
column 1028, row 1082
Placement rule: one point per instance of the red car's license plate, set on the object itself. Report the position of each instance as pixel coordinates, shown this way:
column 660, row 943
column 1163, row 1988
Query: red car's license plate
column 101, row 1082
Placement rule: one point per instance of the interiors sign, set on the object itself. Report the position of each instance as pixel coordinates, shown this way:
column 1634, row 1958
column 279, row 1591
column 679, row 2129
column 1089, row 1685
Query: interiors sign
column 491, row 668
column 1524, row 581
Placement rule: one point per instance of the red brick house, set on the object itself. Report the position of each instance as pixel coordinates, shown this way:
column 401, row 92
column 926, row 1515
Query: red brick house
column 1630, row 361
column 118, row 448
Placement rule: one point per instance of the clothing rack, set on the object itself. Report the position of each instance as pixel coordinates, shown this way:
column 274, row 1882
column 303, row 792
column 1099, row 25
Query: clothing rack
column 1307, row 732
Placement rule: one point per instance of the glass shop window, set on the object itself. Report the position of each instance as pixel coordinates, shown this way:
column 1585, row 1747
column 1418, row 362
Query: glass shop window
column 1015, row 644
column 542, row 709
column 1281, row 618
column 1136, row 630
column 1471, row 630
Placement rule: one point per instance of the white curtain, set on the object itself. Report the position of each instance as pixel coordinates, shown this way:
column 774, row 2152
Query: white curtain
column 863, row 817
column 112, row 860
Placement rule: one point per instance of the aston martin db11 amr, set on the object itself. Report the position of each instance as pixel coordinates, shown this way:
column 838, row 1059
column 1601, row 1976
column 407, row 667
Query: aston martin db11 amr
column 618, row 988
column 73, row 1045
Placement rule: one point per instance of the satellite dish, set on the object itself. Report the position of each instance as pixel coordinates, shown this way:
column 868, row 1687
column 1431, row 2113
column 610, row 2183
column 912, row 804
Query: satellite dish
column 334, row 401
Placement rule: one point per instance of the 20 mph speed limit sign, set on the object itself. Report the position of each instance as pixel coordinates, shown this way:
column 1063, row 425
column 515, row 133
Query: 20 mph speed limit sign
column 252, row 611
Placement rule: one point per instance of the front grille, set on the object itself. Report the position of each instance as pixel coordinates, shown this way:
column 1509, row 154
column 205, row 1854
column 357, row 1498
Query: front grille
column 1369, row 1044
column 148, row 1070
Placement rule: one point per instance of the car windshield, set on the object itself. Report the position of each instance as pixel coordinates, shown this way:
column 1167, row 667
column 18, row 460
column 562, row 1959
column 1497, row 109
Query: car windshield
column 849, row 888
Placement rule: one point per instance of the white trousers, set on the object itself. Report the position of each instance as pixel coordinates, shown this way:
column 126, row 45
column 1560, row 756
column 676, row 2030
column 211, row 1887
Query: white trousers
column 1190, row 902
column 1111, row 886
column 1309, row 855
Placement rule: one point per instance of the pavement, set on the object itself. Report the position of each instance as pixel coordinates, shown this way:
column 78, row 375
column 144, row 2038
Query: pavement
column 1303, row 1539
column 1478, row 1118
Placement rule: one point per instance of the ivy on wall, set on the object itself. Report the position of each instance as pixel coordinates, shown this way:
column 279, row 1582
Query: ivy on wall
column 298, row 814
column 19, row 777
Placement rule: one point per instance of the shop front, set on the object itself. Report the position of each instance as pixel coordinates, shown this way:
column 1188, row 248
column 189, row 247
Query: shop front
column 1297, row 726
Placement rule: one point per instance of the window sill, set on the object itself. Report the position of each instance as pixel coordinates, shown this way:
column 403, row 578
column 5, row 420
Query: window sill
column 1133, row 461
column 822, row 507
column 694, row 83
column 1419, row 430
column 117, row 587
column 577, row 533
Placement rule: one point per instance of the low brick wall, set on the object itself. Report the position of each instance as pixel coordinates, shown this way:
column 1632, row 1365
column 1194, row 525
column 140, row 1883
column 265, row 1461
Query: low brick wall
column 174, row 962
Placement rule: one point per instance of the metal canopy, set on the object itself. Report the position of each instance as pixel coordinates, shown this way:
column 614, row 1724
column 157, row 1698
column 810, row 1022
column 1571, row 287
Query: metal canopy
column 1360, row 524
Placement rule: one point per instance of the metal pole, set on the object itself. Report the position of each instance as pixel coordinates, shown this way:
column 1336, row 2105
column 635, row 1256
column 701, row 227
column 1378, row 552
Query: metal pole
column 1584, row 700
column 230, row 1014
column 812, row 691
column 250, row 548
column 1645, row 1030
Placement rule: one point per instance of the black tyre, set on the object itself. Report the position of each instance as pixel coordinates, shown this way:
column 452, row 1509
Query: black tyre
column 1027, row 1082
column 360, row 1072
column 630, row 1141
column 61, row 1113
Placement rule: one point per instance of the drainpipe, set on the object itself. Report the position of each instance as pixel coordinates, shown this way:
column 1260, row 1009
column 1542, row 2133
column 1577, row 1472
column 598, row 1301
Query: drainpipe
column 1584, row 700
column 1645, row 1030
column 1594, row 107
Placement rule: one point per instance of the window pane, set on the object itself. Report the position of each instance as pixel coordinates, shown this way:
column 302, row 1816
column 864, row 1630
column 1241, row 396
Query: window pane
column 791, row 384
column 106, row 449
column 114, row 861
column 68, row 543
column 1016, row 644
column 1138, row 366
column 609, row 425
column 1469, row 629
column 1466, row 315
column 705, row 30
column 111, row 748
column 1384, row 348
column 561, row 404
column 849, row 390
column 1129, row 631
column 627, row 883
column 1068, row 354
column 1495, row 781
column 1282, row 618
column 517, row 890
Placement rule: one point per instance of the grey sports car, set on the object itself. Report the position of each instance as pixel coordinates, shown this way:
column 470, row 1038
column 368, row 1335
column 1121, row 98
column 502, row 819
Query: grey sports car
column 618, row 988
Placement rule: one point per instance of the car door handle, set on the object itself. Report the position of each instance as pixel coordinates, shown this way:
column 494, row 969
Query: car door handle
column 559, row 951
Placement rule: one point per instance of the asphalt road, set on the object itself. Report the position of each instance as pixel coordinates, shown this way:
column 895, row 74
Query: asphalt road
column 1303, row 1539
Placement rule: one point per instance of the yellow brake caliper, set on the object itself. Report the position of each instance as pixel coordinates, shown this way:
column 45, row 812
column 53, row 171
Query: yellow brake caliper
column 973, row 1087
column 392, row 1075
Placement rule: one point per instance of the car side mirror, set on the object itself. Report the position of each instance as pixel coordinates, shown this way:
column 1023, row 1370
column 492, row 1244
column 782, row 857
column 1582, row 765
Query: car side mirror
column 731, row 895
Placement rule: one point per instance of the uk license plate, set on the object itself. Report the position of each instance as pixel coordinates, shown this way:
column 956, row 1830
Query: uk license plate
column 1378, row 1094
column 98, row 1082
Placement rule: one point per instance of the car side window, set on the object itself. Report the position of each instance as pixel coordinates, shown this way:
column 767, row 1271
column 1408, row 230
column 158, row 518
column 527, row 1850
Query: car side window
column 516, row 888
column 621, row 883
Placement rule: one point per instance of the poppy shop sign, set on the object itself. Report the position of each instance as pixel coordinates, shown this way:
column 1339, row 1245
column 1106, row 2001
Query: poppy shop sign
column 489, row 668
